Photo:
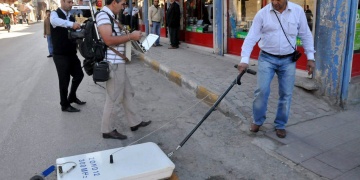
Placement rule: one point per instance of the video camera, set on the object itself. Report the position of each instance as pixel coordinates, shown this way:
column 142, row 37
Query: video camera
column 76, row 34
column 81, row 13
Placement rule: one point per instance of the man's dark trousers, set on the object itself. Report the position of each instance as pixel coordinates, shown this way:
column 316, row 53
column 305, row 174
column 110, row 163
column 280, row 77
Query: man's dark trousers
column 66, row 66
column 174, row 36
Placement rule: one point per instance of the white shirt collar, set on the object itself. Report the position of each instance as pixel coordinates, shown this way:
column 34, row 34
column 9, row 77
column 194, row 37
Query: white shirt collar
column 288, row 7
column 66, row 14
column 106, row 9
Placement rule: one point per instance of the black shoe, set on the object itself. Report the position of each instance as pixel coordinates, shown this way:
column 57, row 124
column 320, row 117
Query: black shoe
column 77, row 101
column 142, row 124
column 114, row 135
column 159, row 45
column 70, row 109
column 281, row 133
column 49, row 56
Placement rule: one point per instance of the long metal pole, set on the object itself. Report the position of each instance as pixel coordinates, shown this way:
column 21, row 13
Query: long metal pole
column 236, row 81
column 208, row 113
column 93, row 18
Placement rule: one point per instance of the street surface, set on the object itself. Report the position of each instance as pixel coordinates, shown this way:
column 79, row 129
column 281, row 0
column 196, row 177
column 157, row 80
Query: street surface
column 34, row 132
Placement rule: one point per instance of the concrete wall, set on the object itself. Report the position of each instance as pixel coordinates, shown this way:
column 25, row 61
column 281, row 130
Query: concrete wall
column 331, row 43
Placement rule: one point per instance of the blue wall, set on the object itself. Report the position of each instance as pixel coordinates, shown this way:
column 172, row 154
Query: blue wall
column 331, row 44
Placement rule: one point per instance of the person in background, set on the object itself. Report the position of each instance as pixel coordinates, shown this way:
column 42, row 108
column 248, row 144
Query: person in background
column 7, row 22
column 121, row 16
column 155, row 17
column 21, row 19
column 47, row 33
column 173, row 23
column 135, row 17
column 276, row 56
column 309, row 17
column 27, row 19
column 162, row 8
column 127, row 14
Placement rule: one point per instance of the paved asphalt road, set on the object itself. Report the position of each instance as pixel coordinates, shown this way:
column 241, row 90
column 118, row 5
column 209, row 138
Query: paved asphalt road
column 34, row 132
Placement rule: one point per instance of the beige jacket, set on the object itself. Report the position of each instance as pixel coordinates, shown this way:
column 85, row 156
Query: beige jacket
column 47, row 26
column 155, row 14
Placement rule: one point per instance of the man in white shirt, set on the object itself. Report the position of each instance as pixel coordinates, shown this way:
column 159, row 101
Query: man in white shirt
column 127, row 14
column 135, row 17
column 276, row 56
column 118, row 87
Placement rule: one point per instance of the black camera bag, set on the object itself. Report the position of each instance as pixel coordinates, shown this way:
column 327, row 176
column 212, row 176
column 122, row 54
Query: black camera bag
column 297, row 55
column 88, row 66
column 101, row 71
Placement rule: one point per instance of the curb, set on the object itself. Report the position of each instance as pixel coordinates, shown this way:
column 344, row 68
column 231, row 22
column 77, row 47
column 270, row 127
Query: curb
column 200, row 91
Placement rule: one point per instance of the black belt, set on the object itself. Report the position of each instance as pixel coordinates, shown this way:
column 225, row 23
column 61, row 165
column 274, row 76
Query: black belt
column 156, row 21
column 278, row 56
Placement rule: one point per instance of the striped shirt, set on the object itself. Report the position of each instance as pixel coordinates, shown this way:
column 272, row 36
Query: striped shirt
column 103, row 19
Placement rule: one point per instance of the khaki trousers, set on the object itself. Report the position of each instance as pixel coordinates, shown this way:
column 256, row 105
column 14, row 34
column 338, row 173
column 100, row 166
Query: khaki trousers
column 118, row 91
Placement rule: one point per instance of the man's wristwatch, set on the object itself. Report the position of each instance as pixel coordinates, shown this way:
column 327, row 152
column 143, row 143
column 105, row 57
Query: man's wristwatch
column 311, row 60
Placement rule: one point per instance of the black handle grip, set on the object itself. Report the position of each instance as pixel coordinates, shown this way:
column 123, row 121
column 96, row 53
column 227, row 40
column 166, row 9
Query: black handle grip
column 250, row 71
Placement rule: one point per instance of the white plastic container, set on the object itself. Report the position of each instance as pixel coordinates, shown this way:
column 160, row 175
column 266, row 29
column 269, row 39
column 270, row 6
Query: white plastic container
column 141, row 162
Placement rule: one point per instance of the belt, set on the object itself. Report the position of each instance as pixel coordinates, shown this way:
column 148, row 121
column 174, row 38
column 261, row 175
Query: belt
column 156, row 21
column 278, row 56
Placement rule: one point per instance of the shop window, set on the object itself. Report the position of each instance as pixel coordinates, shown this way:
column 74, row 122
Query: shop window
column 242, row 13
column 199, row 16
column 357, row 32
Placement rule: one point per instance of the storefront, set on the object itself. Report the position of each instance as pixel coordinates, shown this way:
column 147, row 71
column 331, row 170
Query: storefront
column 336, row 36
column 198, row 22
column 240, row 17
column 355, row 70
column 6, row 9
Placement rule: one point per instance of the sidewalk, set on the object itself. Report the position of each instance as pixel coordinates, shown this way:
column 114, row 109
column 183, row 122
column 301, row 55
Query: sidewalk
column 318, row 136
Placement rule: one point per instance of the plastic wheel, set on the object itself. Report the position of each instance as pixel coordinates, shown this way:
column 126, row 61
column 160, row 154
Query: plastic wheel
column 37, row 177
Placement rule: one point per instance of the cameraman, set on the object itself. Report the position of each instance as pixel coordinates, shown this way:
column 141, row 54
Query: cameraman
column 118, row 87
column 64, row 54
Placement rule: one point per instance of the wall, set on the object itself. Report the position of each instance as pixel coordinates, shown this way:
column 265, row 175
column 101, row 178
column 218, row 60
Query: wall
column 331, row 35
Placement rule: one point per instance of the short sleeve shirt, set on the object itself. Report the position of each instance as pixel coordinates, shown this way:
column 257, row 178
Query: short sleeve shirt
column 103, row 19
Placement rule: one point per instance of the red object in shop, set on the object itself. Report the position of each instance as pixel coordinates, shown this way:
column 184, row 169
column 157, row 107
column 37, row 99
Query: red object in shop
column 355, row 65
column 234, row 47
column 201, row 39
column 163, row 32
column 142, row 27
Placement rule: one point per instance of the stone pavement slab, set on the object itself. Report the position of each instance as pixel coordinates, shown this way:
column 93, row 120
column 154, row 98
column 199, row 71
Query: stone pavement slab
column 353, row 174
column 321, row 168
column 298, row 151
column 328, row 146
column 344, row 157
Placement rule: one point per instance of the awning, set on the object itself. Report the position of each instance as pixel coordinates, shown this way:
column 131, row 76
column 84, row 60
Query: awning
column 28, row 7
column 5, row 9
column 16, row 11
